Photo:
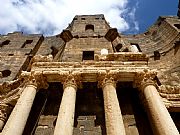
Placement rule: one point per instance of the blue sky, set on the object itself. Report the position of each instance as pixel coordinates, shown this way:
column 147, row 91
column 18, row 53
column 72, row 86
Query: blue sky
column 49, row 17
column 148, row 11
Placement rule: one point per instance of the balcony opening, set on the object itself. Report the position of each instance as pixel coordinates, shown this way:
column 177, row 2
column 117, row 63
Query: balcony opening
column 88, row 55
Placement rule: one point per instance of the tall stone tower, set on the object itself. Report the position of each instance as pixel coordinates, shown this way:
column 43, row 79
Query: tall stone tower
column 90, row 79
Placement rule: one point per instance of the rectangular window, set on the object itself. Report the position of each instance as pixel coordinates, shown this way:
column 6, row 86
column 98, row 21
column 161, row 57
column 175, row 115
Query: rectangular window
column 88, row 55
column 156, row 55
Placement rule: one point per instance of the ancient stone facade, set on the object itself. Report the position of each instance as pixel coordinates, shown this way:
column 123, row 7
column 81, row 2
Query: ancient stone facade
column 92, row 80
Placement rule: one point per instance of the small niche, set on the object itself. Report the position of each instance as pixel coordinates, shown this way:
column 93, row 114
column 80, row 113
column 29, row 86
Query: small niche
column 26, row 42
column 11, row 54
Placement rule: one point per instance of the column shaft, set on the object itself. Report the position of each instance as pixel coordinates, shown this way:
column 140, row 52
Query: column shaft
column 161, row 121
column 65, row 119
column 113, row 116
column 17, row 120
column 1, row 124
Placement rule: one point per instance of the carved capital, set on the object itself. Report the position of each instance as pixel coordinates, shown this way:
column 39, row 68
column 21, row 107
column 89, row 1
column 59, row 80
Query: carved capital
column 73, row 80
column 35, row 79
column 105, row 78
column 5, row 111
column 145, row 78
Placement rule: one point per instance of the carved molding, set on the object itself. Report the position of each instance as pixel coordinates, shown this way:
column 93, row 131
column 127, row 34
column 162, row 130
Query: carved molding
column 145, row 78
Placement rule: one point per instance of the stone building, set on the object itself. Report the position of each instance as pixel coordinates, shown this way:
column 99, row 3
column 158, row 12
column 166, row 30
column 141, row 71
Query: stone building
column 91, row 80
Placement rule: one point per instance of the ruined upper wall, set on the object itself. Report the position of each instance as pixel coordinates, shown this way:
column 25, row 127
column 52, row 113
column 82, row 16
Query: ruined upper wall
column 16, row 51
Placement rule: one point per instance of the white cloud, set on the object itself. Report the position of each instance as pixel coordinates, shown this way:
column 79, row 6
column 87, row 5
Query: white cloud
column 51, row 16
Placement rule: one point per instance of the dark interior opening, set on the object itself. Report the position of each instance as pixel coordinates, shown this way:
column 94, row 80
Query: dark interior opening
column 6, row 42
column 89, row 27
column 88, row 55
column 177, row 26
column 6, row 73
column 176, row 118
column 134, row 117
column 54, row 51
column 157, row 55
column 26, row 42
column 89, row 102
column 118, row 47
column 43, row 115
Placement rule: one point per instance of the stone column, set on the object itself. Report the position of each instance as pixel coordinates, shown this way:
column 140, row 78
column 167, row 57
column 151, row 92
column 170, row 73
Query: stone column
column 65, row 119
column 113, row 116
column 159, row 117
column 17, row 120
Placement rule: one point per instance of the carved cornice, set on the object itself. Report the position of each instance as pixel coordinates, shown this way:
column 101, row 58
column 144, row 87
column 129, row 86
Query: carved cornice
column 145, row 78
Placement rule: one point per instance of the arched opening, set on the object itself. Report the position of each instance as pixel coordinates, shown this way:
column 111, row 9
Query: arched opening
column 89, row 27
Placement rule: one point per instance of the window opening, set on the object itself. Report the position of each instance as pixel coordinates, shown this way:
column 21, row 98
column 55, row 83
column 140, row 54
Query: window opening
column 6, row 42
column 26, row 42
column 156, row 55
column 89, row 27
column 88, row 55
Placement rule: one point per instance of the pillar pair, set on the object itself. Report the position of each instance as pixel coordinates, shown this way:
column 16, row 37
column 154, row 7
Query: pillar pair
column 65, row 120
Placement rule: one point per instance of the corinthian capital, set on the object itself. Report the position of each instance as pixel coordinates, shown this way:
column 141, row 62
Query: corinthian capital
column 144, row 78
column 106, row 77
column 72, row 80
column 36, row 79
